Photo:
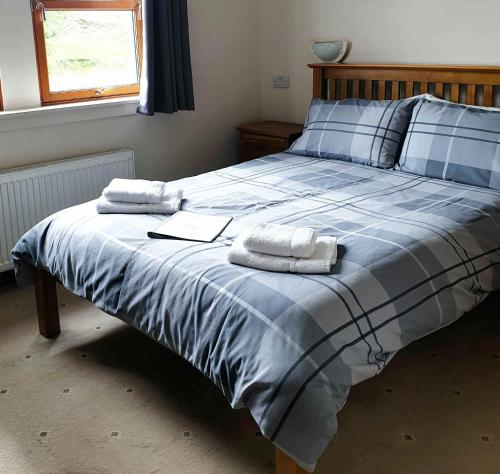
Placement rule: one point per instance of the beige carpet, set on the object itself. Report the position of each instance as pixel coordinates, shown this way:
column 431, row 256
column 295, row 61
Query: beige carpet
column 102, row 398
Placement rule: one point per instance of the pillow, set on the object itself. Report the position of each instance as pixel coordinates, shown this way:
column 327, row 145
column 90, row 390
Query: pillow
column 369, row 132
column 453, row 142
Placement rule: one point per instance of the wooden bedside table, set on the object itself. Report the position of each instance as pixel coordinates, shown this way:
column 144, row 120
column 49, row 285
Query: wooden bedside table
column 266, row 138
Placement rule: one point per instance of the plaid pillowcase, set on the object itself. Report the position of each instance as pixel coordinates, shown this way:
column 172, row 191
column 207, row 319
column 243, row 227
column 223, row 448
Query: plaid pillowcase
column 453, row 142
column 369, row 132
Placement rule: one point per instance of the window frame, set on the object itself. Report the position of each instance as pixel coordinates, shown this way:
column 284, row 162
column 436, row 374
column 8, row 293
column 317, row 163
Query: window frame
column 80, row 95
column 1, row 98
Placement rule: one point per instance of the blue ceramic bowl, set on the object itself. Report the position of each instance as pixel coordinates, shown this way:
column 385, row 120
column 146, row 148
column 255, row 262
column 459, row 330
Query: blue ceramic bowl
column 329, row 52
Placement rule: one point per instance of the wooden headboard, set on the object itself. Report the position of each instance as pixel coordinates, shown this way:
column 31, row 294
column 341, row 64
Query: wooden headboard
column 473, row 85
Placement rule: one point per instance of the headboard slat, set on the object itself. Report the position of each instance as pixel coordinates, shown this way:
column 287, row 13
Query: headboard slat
column 395, row 90
column 409, row 89
column 455, row 92
column 381, row 90
column 343, row 88
column 488, row 96
column 355, row 89
column 471, row 94
column 356, row 80
column 368, row 89
column 439, row 91
column 332, row 90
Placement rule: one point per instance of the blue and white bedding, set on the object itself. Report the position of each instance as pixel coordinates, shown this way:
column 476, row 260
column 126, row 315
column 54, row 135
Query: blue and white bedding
column 415, row 254
column 453, row 142
column 368, row 132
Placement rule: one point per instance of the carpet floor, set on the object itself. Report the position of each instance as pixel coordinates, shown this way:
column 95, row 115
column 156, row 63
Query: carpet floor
column 103, row 398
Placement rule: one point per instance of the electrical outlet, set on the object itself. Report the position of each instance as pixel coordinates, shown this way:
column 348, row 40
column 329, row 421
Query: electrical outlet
column 281, row 82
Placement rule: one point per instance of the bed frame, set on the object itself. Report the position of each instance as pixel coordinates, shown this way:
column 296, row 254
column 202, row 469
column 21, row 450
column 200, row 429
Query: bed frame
column 473, row 85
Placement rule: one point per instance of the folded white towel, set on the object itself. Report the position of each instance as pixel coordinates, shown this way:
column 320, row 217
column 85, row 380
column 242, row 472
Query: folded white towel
column 281, row 240
column 170, row 205
column 324, row 256
column 138, row 191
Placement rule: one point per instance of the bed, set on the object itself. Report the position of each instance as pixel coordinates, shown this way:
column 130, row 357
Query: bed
column 415, row 254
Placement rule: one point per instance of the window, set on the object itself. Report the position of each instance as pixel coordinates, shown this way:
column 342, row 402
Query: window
column 87, row 50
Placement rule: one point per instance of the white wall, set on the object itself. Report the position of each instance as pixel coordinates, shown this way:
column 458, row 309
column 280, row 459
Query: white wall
column 237, row 45
column 407, row 31
column 227, row 91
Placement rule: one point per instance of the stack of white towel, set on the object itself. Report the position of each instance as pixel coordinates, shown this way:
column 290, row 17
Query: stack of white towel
column 279, row 248
column 137, row 196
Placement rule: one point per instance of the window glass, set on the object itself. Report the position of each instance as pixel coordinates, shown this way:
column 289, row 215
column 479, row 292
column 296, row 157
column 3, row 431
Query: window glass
column 90, row 49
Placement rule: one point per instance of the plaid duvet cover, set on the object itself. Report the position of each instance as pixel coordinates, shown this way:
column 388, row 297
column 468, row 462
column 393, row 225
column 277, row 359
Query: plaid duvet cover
column 415, row 254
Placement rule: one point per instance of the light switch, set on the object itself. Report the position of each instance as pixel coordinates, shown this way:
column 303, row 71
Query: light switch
column 281, row 82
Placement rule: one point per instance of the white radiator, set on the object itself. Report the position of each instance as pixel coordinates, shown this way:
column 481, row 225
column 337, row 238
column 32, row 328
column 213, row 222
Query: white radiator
column 30, row 194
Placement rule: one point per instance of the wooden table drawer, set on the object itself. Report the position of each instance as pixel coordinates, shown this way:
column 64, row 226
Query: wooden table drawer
column 266, row 138
column 256, row 146
column 263, row 139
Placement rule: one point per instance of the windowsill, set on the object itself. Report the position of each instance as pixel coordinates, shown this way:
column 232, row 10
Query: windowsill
column 66, row 113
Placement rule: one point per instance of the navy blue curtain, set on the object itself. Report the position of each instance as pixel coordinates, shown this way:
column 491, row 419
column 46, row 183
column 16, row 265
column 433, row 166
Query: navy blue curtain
column 166, row 81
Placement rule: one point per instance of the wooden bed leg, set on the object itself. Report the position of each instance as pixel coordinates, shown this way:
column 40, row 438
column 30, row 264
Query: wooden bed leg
column 286, row 465
column 46, row 303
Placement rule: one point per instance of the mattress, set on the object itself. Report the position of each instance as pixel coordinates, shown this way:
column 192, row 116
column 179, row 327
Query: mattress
column 415, row 254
